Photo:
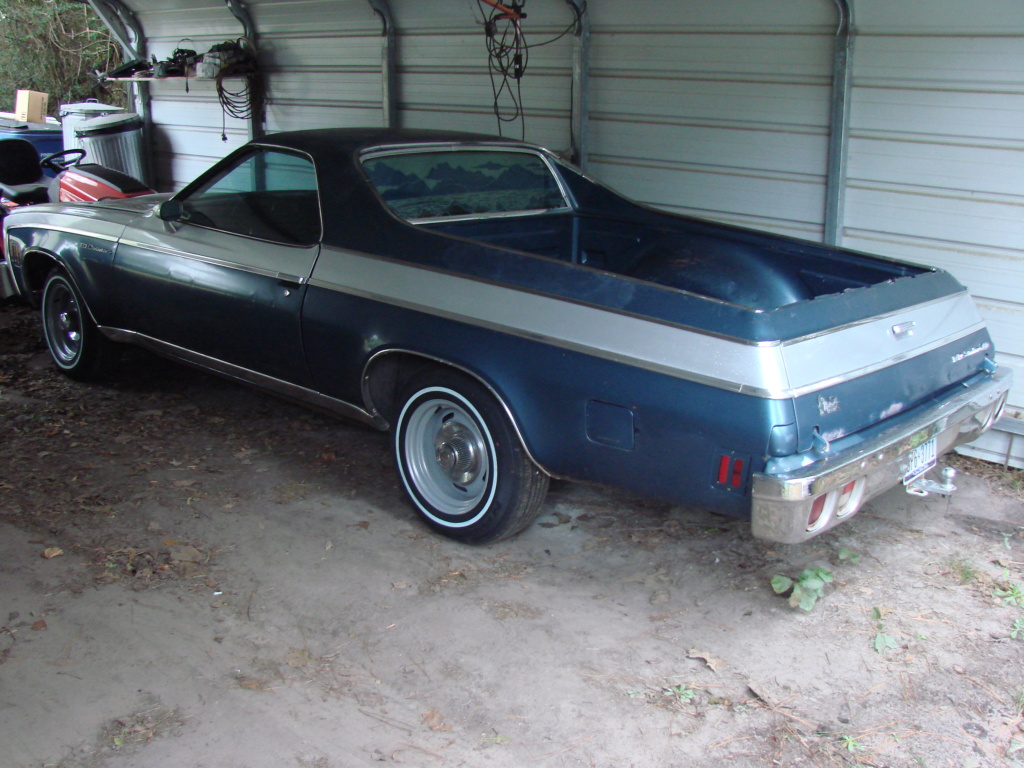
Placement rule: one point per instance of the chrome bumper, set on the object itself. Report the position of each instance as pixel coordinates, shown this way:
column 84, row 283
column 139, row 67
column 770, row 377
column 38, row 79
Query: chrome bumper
column 783, row 499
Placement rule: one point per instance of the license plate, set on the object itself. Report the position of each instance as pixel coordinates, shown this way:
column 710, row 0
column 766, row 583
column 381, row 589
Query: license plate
column 919, row 461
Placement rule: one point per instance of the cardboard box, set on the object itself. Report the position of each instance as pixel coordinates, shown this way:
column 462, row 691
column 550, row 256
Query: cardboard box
column 30, row 106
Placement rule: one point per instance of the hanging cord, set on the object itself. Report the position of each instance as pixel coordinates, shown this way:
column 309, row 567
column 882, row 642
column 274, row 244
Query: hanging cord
column 508, row 56
column 507, row 59
column 245, row 101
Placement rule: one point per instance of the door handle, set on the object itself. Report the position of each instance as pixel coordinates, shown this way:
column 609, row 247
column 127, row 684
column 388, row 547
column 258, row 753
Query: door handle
column 290, row 281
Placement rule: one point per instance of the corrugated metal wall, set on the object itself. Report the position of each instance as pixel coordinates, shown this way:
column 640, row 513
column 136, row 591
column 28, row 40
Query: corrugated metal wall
column 187, row 120
column 716, row 109
column 322, row 63
column 936, row 171
column 443, row 71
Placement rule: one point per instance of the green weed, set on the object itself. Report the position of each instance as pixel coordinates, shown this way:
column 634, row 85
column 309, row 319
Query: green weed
column 883, row 641
column 1013, row 594
column 849, row 743
column 682, row 692
column 847, row 555
column 964, row 571
column 807, row 588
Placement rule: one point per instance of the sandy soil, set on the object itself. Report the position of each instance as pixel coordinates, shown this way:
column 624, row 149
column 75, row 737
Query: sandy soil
column 195, row 575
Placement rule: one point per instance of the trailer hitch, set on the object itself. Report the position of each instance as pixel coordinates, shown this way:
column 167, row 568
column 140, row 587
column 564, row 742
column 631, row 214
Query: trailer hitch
column 923, row 486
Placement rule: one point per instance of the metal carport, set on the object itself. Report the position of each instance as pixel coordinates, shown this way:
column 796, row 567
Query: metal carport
column 892, row 127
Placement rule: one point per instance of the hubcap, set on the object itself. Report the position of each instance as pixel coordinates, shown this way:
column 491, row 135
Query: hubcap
column 67, row 326
column 456, row 453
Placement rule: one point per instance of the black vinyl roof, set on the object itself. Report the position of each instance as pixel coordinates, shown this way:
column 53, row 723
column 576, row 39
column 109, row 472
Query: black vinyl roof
column 324, row 142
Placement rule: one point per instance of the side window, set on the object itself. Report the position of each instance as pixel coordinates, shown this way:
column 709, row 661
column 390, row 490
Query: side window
column 470, row 183
column 267, row 195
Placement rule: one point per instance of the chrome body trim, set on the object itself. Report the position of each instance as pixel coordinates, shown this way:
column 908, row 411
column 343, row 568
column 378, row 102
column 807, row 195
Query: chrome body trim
column 782, row 496
column 376, row 357
column 261, row 381
column 111, row 238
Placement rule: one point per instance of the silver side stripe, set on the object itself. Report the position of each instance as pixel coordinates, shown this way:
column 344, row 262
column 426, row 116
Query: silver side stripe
column 770, row 370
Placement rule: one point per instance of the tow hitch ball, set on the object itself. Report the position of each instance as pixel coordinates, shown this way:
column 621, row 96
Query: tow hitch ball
column 923, row 486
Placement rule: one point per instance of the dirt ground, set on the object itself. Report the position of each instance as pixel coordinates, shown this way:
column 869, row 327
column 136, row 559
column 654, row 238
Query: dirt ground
column 196, row 575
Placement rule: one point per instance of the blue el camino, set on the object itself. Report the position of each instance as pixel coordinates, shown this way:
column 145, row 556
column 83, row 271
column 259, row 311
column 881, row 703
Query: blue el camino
column 510, row 320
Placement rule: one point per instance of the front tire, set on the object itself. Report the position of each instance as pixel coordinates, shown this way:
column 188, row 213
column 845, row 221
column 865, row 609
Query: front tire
column 76, row 345
column 461, row 461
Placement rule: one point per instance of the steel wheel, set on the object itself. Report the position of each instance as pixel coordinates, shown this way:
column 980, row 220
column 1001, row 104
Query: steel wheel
column 62, row 322
column 75, row 343
column 462, row 463
column 449, row 456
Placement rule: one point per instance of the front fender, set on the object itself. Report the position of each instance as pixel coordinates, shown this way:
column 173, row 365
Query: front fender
column 39, row 241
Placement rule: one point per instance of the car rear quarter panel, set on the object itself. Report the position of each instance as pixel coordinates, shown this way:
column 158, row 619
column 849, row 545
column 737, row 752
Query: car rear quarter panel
column 586, row 408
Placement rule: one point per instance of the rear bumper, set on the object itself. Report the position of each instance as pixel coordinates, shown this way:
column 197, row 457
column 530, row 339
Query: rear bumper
column 783, row 497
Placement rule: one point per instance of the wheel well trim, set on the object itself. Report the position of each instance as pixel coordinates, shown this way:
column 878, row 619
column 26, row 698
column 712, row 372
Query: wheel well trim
column 58, row 263
column 377, row 357
column 30, row 254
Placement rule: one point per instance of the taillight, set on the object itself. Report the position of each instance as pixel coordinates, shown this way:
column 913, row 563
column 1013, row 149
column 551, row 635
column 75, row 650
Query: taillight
column 723, row 470
column 814, row 520
column 731, row 471
column 839, row 502
column 849, row 497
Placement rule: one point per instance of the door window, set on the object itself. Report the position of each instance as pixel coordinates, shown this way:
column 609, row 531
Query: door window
column 267, row 195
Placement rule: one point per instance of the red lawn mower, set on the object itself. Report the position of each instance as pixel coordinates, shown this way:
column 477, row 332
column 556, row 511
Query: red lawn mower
column 23, row 180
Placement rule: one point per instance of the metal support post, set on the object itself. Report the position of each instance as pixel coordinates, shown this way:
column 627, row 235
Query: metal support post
column 580, row 108
column 389, row 89
column 241, row 13
column 839, row 125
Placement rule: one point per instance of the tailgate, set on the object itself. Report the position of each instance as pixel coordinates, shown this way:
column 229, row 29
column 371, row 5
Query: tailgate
column 855, row 376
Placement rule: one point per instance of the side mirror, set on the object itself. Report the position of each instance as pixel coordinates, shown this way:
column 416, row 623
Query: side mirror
column 171, row 210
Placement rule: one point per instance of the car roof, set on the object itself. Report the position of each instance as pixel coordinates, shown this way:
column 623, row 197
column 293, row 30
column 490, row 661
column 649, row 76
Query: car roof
column 338, row 142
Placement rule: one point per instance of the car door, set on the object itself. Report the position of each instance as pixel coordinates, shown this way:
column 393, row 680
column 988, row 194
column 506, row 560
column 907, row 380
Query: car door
column 226, row 276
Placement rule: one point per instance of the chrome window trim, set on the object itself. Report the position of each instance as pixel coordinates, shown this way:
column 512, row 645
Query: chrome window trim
column 268, row 148
column 374, row 153
column 482, row 216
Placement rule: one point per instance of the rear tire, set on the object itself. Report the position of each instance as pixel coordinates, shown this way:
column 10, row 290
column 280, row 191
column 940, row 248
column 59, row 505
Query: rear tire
column 461, row 461
column 76, row 345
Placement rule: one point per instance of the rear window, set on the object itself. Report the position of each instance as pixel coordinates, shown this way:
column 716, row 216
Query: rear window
column 429, row 185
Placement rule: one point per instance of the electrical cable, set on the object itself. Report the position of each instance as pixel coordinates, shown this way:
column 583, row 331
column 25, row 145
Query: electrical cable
column 246, row 101
column 508, row 56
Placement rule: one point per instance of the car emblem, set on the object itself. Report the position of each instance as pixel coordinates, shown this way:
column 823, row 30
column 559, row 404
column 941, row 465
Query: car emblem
column 827, row 405
column 903, row 330
column 983, row 347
